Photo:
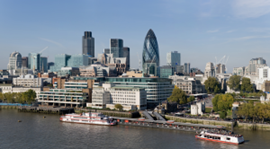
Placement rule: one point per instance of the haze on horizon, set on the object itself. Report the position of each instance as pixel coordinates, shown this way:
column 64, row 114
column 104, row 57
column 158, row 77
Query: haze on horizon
column 199, row 30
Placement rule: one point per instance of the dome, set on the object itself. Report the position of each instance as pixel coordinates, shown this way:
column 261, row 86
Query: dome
column 15, row 54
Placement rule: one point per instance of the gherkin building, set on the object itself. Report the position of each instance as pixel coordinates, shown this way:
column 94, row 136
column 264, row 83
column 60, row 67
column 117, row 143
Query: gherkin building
column 150, row 55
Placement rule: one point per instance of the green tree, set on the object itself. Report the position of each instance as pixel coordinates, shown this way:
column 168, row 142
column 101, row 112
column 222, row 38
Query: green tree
column 1, row 97
column 29, row 96
column 191, row 98
column 234, row 82
column 222, row 102
column 246, row 85
column 223, row 114
column 118, row 106
column 178, row 96
column 217, row 90
column 210, row 84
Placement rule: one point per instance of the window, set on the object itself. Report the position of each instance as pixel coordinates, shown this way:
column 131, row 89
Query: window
column 228, row 138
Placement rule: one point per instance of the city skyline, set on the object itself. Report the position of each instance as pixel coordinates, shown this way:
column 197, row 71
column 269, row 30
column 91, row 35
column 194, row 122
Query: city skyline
column 233, row 28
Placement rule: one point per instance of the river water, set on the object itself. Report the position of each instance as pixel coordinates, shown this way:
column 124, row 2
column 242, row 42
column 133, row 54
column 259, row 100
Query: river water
column 37, row 132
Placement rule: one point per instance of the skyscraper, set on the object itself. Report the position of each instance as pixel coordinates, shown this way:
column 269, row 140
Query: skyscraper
column 173, row 59
column 15, row 61
column 150, row 55
column 126, row 54
column 44, row 64
column 187, row 68
column 117, row 47
column 106, row 51
column 88, row 44
column 25, row 62
column 34, row 61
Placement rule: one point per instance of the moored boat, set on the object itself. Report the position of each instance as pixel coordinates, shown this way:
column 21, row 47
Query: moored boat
column 88, row 118
column 222, row 138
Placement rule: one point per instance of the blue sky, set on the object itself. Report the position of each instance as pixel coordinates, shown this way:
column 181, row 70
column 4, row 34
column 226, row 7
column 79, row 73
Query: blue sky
column 199, row 29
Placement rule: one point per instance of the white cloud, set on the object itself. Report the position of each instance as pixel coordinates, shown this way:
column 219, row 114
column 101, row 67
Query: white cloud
column 213, row 31
column 251, row 37
column 251, row 8
column 230, row 31
column 51, row 41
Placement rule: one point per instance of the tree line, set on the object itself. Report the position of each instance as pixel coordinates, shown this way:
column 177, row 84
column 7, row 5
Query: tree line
column 235, row 84
column 222, row 103
column 24, row 97
column 258, row 111
column 179, row 96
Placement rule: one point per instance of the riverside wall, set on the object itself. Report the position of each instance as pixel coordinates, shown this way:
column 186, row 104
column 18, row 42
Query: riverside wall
column 251, row 126
column 226, row 124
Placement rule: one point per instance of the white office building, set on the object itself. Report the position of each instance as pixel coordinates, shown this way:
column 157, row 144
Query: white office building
column 131, row 98
column 28, row 81
column 15, row 61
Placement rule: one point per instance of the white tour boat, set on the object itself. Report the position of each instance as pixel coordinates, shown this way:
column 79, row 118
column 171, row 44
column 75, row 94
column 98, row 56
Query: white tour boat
column 223, row 138
column 88, row 118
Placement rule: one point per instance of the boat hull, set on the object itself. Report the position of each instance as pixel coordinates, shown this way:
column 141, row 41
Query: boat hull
column 197, row 137
column 90, row 123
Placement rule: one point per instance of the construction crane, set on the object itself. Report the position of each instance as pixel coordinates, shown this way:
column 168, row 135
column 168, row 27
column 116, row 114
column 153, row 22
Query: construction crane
column 43, row 50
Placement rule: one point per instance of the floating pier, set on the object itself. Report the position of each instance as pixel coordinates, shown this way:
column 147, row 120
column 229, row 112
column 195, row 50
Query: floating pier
column 167, row 124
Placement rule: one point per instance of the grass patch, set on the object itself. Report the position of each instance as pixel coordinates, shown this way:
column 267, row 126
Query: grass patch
column 208, row 110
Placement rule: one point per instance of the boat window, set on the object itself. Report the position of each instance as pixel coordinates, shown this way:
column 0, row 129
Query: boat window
column 228, row 138
column 218, row 138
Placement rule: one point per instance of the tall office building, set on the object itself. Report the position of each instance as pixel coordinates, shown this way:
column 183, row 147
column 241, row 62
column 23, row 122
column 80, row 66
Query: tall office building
column 50, row 64
column 173, row 58
column 150, row 55
column 44, row 64
column 15, row 61
column 34, row 61
column 117, row 47
column 126, row 54
column 88, row 44
column 25, row 62
column 107, row 51
column 187, row 68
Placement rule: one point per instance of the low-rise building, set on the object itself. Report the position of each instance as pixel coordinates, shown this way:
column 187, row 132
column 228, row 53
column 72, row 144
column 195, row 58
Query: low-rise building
column 63, row 98
column 165, row 71
column 28, row 81
column 68, row 71
column 98, row 70
column 198, row 108
column 133, row 98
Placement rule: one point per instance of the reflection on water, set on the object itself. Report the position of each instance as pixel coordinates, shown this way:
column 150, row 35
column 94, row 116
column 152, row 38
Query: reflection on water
column 37, row 132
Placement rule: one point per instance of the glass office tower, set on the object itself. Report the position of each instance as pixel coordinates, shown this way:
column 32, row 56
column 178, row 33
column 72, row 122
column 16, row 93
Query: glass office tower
column 173, row 59
column 150, row 55
column 34, row 61
column 117, row 47
column 88, row 44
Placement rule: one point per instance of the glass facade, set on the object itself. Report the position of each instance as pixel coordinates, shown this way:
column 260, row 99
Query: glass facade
column 59, row 62
column 174, row 59
column 150, row 55
column 126, row 54
column 34, row 61
column 117, row 47
column 15, row 61
column 44, row 64
column 157, row 89
column 165, row 71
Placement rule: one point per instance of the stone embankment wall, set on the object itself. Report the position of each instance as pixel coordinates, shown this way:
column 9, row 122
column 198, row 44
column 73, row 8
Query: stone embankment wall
column 250, row 126
column 8, row 107
column 226, row 124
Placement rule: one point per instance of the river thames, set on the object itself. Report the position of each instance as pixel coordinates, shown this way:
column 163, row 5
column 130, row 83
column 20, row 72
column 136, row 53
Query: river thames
column 37, row 132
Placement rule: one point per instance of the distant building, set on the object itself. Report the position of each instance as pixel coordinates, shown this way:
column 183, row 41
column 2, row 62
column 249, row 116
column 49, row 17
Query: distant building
column 44, row 64
column 88, row 44
column 92, row 60
column 34, row 61
column 126, row 54
column 28, row 81
column 119, row 63
column 50, row 64
column 150, row 55
column 165, row 71
column 68, row 71
column 180, row 69
column 186, row 68
column 15, row 61
column 209, row 70
column 116, row 47
column 98, row 70
column 107, row 51
column 240, row 71
column 220, row 68
column 65, row 60
column 253, row 66
column 25, row 62
column 174, row 59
